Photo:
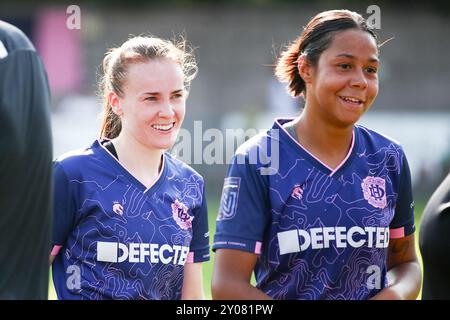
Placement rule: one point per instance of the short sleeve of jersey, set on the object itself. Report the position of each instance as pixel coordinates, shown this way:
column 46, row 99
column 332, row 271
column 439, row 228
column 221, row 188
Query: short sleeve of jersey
column 63, row 206
column 200, row 236
column 403, row 222
column 243, row 212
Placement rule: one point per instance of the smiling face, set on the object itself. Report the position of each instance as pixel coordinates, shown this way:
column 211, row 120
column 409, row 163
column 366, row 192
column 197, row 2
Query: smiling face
column 153, row 104
column 344, row 83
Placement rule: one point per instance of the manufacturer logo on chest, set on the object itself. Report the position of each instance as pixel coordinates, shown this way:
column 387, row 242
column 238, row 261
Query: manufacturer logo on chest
column 117, row 208
column 297, row 192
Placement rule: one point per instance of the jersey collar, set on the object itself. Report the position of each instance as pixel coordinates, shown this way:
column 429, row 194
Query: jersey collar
column 112, row 160
column 304, row 153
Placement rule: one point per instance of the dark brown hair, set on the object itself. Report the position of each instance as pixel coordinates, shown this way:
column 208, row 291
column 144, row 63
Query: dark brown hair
column 315, row 39
column 137, row 50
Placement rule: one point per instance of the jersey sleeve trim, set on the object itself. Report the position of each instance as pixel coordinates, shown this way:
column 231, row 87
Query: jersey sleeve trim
column 201, row 255
column 247, row 245
column 55, row 250
column 397, row 233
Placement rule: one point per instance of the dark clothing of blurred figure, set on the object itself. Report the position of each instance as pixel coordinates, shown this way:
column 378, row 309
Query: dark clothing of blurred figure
column 434, row 243
column 25, row 168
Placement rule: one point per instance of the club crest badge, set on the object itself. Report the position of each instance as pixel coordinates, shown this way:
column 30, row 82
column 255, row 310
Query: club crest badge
column 374, row 190
column 181, row 216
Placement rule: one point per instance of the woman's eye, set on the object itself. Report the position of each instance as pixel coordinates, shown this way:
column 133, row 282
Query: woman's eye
column 150, row 99
column 177, row 96
column 344, row 66
column 371, row 70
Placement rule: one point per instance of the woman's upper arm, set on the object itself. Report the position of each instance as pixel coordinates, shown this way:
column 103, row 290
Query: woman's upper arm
column 232, row 273
column 401, row 250
column 233, row 264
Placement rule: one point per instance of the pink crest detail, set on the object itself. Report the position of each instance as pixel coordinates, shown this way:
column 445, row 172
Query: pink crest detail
column 297, row 192
column 181, row 215
column 374, row 190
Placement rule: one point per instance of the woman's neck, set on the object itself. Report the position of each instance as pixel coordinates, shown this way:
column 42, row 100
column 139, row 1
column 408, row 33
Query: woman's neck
column 144, row 163
column 328, row 143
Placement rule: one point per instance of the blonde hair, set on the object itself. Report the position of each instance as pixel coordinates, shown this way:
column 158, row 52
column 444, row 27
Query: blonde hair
column 137, row 50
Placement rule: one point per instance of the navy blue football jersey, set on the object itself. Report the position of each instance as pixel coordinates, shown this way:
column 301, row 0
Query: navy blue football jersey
column 320, row 233
column 119, row 239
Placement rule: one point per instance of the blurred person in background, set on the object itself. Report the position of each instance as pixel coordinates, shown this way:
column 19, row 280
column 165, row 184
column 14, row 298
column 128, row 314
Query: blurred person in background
column 130, row 220
column 25, row 168
column 434, row 243
column 335, row 219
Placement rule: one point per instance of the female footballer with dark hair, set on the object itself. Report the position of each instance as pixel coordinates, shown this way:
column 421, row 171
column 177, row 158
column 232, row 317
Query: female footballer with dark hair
column 334, row 217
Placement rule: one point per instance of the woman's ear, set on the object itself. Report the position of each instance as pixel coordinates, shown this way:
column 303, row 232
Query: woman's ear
column 304, row 68
column 114, row 102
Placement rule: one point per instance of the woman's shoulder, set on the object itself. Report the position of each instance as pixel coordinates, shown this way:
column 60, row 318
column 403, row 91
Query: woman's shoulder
column 377, row 138
column 180, row 167
column 75, row 159
column 256, row 150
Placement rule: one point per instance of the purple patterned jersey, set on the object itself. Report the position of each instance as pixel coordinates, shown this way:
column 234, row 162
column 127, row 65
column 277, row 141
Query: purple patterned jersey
column 119, row 239
column 319, row 233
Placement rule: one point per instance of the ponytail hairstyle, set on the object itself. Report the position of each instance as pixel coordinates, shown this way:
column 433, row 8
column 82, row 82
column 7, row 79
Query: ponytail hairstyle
column 315, row 39
column 137, row 50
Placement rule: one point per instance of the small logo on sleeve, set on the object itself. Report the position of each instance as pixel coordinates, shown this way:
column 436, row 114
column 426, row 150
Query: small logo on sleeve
column 181, row 215
column 229, row 201
column 374, row 190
